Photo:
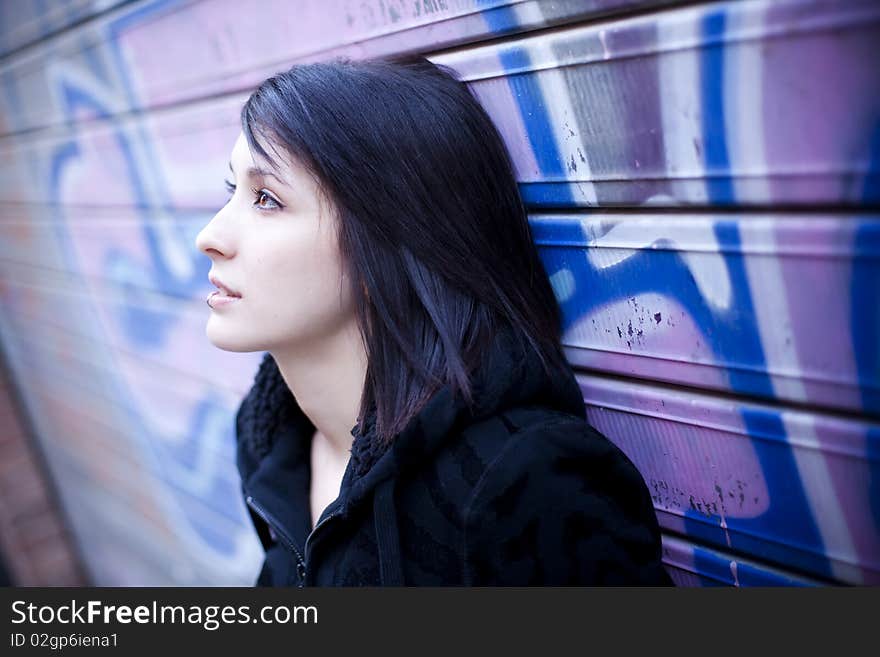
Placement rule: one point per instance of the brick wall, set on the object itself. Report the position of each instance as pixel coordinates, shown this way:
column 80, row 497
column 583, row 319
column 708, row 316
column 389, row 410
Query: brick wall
column 36, row 547
column 702, row 180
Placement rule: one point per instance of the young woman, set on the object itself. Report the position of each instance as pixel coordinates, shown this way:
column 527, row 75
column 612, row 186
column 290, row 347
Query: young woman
column 376, row 247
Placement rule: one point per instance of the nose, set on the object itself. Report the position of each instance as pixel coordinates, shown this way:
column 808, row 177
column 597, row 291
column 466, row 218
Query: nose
column 215, row 239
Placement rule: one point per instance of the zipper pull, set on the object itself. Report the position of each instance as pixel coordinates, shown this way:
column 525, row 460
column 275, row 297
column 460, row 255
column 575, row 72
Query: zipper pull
column 276, row 529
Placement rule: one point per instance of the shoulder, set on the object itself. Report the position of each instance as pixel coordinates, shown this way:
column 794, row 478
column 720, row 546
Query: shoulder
column 555, row 452
column 560, row 503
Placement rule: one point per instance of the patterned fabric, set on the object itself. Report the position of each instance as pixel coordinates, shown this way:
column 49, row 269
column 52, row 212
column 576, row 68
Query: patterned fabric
column 517, row 490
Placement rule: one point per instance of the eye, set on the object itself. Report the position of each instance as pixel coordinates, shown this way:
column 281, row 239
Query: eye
column 264, row 201
column 229, row 187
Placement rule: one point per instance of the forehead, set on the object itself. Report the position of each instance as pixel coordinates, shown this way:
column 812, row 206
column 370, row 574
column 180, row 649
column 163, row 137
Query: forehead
column 240, row 150
column 242, row 154
column 284, row 164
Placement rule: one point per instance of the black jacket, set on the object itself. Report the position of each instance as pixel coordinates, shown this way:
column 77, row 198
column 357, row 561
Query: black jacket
column 520, row 490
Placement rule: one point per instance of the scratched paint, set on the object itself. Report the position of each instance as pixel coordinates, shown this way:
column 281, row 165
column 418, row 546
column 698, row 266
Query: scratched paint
column 701, row 204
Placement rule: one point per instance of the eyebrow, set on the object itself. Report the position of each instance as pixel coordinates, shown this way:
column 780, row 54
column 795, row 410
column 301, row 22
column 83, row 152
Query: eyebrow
column 256, row 172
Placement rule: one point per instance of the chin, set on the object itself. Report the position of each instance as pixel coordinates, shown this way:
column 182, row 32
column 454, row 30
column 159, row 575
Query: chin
column 227, row 341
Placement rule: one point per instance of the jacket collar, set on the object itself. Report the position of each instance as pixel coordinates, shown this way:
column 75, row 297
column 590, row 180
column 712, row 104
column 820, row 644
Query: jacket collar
column 274, row 435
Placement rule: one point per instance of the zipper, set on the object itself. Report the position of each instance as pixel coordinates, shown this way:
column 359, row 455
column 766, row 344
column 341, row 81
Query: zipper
column 320, row 524
column 285, row 539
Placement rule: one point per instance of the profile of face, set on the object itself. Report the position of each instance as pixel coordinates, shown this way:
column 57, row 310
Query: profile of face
column 275, row 260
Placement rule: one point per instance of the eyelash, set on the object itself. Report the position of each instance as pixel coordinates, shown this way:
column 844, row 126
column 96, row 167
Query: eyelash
column 257, row 194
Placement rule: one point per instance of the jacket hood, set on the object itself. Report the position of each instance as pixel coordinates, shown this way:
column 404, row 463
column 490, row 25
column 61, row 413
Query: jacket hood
column 510, row 375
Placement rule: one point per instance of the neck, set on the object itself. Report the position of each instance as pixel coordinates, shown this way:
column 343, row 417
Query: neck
column 326, row 377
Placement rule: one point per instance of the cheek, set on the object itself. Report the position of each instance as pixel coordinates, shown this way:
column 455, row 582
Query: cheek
column 326, row 262
column 308, row 274
column 334, row 287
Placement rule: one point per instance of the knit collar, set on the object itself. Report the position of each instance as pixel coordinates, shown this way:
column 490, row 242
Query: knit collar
column 366, row 448
column 510, row 375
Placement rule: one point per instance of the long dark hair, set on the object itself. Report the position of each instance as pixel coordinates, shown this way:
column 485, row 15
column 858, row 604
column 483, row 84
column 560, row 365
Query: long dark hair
column 432, row 228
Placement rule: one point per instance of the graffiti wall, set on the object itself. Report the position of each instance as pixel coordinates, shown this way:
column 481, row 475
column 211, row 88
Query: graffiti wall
column 703, row 182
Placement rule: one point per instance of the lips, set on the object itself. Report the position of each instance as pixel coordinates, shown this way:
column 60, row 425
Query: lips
column 217, row 299
column 225, row 290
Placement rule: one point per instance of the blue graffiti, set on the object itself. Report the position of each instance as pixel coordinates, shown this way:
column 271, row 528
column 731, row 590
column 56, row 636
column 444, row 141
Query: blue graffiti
column 735, row 335
column 144, row 327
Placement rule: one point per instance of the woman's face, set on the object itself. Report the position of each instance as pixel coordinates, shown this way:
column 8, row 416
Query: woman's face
column 274, row 245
